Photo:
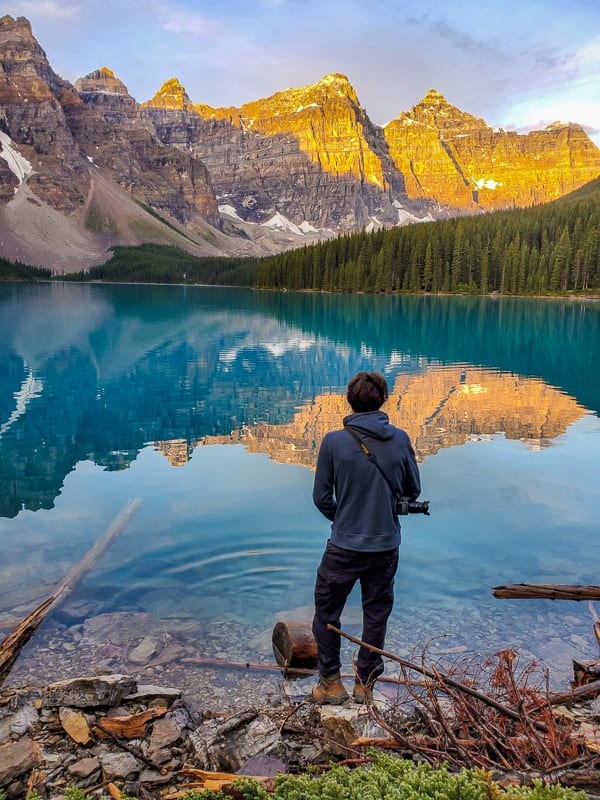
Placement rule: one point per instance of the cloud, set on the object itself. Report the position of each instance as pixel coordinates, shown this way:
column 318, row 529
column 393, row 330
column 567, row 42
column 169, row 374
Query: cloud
column 193, row 25
column 455, row 37
column 47, row 9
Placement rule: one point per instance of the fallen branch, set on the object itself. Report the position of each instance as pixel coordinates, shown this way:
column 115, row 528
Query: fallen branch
column 437, row 676
column 547, row 590
column 585, row 692
column 11, row 645
column 80, row 569
column 293, row 672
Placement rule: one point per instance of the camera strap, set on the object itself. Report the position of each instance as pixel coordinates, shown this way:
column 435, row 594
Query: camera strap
column 371, row 456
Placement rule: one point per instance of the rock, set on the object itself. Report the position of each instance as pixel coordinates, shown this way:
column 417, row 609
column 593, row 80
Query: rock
column 102, row 690
column 146, row 692
column 146, row 649
column 75, row 725
column 263, row 766
column 165, row 732
column 24, row 719
column 227, row 745
column 156, row 778
column 84, row 768
column 120, row 766
column 343, row 724
column 590, row 732
column 74, row 611
column 17, row 758
column 5, row 731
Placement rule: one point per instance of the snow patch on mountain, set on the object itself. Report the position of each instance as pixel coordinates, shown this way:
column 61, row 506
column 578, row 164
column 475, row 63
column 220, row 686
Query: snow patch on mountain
column 280, row 223
column 373, row 225
column 230, row 211
column 486, row 183
column 406, row 218
column 17, row 164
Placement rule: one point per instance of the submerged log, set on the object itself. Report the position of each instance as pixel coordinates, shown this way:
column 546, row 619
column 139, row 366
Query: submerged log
column 11, row 645
column 549, row 591
column 294, row 645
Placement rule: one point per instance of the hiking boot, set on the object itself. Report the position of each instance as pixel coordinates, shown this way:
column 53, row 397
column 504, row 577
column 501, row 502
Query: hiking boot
column 329, row 691
column 362, row 693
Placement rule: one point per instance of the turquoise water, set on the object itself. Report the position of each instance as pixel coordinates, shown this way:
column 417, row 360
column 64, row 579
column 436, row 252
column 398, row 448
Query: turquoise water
column 208, row 404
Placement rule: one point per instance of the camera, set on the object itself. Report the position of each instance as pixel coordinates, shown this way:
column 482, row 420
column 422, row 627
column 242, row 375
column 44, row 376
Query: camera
column 406, row 506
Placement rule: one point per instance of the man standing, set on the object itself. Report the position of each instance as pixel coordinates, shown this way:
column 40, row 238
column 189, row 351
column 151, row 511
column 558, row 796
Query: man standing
column 365, row 533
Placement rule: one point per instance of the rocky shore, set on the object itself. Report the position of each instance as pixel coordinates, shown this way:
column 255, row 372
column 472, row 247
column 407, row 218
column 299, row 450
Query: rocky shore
column 150, row 742
column 180, row 708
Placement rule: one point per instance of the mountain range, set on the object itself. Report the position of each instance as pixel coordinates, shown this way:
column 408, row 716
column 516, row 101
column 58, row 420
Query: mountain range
column 85, row 166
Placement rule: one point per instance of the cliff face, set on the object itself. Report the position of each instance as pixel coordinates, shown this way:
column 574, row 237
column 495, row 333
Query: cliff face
column 463, row 163
column 116, row 135
column 33, row 105
column 311, row 154
column 67, row 138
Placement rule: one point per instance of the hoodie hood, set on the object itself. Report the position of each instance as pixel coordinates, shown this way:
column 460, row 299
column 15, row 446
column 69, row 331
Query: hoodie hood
column 371, row 423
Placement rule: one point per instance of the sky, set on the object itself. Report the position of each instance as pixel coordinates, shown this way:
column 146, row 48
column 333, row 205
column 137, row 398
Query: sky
column 518, row 64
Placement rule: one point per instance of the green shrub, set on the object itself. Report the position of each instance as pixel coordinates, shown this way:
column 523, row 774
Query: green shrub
column 75, row 794
column 390, row 778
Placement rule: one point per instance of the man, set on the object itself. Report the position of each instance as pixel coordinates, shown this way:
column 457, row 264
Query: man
column 365, row 533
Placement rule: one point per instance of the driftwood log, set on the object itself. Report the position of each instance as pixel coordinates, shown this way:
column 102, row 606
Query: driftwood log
column 294, row 645
column 548, row 591
column 11, row 645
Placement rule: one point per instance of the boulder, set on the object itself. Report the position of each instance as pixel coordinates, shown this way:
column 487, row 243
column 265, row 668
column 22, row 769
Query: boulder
column 99, row 690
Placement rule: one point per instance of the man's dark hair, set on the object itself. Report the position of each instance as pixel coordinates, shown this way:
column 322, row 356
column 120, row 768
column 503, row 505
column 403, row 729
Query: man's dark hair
column 367, row 391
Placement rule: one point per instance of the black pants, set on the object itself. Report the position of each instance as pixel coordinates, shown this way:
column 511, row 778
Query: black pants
column 338, row 572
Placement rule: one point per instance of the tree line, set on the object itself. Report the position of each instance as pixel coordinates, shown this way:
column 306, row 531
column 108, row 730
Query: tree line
column 154, row 263
column 16, row 271
column 548, row 249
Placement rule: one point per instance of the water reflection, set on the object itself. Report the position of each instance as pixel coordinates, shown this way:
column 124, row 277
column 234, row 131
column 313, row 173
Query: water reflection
column 97, row 372
column 440, row 407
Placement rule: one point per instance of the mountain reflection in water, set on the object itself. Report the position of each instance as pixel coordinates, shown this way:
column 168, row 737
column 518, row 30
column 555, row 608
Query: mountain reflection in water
column 441, row 407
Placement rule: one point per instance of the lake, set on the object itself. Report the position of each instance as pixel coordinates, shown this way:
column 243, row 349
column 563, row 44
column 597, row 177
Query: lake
column 209, row 404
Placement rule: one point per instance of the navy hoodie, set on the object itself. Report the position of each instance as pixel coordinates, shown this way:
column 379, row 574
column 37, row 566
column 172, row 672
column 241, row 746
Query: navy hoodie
column 351, row 492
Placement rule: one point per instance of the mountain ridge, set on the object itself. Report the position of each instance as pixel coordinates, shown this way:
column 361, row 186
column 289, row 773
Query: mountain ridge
column 300, row 165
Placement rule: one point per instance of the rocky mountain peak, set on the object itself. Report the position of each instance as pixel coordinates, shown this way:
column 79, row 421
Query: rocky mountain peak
column 558, row 125
column 334, row 84
column 101, row 80
column 336, row 79
column 436, row 112
column 433, row 98
column 172, row 95
column 19, row 22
